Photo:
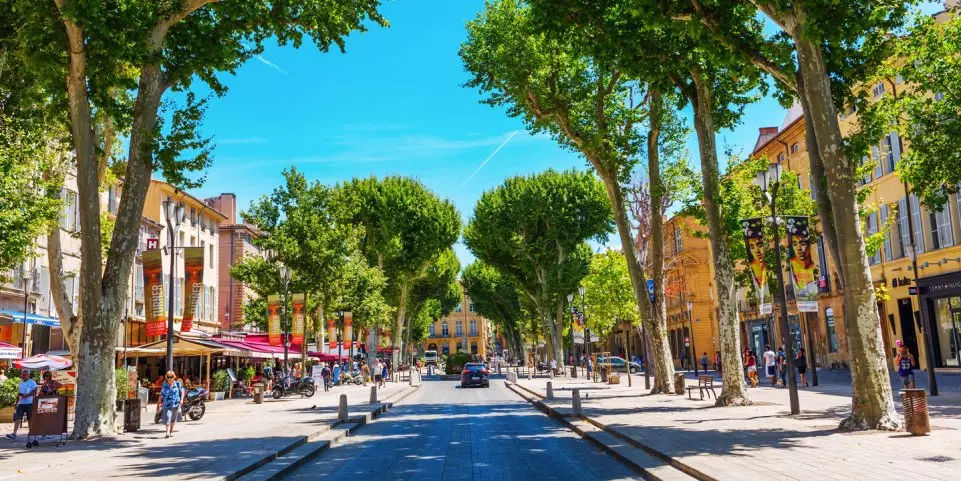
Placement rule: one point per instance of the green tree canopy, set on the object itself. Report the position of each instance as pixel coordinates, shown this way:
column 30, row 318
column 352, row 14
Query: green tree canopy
column 496, row 298
column 608, row 292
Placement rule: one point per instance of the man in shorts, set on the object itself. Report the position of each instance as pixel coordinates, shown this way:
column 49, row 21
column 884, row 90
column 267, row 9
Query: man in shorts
column 905, row 363
column 25, row 393
column 770, row 364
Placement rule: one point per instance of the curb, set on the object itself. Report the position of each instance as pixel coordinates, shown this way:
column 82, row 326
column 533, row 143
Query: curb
column 565, row 419
column 355, row 423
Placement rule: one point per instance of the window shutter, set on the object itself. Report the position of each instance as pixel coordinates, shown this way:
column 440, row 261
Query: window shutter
column 916, row 219
column 903, row 225
column 895, row 147
column 872, row 227
column 945, row 232
column 888, row 255
column 876, row 154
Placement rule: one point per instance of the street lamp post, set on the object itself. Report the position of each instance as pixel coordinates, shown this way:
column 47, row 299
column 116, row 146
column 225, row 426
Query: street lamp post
column 285, row 273
column 928, row 326
column 29, row 277
column 174, row 214
column 693, row 351
column 587, row 331
column 340, row 344
column 570, row 303
column 770, row 180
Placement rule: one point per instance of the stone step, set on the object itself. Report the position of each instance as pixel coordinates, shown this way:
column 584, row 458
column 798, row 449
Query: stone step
column 650, row 466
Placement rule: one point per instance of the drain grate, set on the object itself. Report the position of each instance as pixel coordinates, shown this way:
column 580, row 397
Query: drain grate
column 937, row 459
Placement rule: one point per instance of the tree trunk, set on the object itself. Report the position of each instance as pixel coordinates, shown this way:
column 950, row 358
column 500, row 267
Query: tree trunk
column 559, row 328
column 735, row 390
column 656, row 325
column 872, row 404
column 401, row 312
column 70, row 321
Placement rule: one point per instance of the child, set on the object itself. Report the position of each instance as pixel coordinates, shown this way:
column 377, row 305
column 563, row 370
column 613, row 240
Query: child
column 905, row 363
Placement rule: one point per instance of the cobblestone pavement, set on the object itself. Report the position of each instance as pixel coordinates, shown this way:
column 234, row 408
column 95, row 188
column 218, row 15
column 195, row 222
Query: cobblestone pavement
column 727, row 442
column 232, row 434
column 445, row 432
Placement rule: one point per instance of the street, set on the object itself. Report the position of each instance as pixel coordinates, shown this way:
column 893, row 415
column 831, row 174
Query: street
column 445, row 432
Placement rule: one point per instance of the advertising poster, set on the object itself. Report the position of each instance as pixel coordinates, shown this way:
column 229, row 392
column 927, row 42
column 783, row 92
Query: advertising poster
column 298, row 302
column 577, row 331
column 348, row 330
column 332, row 334
column 803, row 264
column 154, row 293
column 754, row 241
column 273, row 319
column 193, row 285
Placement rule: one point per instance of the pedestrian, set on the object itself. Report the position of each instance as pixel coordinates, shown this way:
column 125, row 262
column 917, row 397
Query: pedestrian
column 336, row 373
column 770, row 364
column 906, row 364
column 325, row 375
column 378, row 374
column 171, row 397
column 750, row 364
column 683, row 360
column 49, row 387
column 25, row 392
column 269, row 377
column 717, row 361
column 590, row 367
column 801, row 363
column 571, row 359
column 782, row 367
column 553, row 366
column 383, row 382
column 704, row 361
column 365, row 373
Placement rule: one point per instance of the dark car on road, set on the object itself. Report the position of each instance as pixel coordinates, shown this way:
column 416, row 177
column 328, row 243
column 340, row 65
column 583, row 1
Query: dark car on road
column 475, row 374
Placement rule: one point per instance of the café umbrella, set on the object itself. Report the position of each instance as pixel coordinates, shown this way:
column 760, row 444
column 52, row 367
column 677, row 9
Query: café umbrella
column 44, row 362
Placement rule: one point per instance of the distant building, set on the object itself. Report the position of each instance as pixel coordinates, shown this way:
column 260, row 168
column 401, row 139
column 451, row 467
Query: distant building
column 463, row 330
column 236, row 243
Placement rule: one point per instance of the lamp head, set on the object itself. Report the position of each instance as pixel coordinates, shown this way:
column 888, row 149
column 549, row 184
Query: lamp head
column 581, row 290
column 760, row 179
column 285, row 273
column 774, row 172
column 570, row 298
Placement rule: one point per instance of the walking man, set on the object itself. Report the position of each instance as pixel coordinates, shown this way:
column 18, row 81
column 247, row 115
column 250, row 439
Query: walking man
column 770, row 364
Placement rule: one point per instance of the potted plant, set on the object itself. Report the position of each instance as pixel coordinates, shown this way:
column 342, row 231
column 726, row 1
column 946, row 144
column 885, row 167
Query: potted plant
column 8, row 399
column 219, row 385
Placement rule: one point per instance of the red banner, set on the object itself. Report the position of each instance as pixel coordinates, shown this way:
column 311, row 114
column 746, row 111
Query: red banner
column 273, row 320
column 348, row 331
column 154, row 293
column 331, row 334
column 193, row 285
column 297, row 301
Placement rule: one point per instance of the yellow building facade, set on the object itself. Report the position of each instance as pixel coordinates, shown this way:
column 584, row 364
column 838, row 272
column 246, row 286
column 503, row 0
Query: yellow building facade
column 463, row 330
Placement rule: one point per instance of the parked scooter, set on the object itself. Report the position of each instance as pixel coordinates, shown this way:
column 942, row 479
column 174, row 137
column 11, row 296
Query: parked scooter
column 193, row 407
column 352, row 377
column 306, row 387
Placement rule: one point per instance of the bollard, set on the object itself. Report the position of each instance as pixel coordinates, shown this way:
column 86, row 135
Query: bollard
column 550, row 391
column 342, row 408
column 576, row 400
column 529, row 375
column 373, row 394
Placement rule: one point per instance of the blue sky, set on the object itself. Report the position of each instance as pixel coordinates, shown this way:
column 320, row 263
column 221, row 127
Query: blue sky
column 393, row 104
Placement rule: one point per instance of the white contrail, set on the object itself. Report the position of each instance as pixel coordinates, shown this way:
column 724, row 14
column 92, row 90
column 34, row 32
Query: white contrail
column 271, row 64
column 489, row 157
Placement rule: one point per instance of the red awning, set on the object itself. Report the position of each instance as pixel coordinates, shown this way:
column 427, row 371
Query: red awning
column 260, row 350
column 324, row 357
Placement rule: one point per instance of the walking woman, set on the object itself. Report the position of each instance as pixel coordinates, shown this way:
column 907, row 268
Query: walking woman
column 801, row 363
column 171, row 397
column 751, row 364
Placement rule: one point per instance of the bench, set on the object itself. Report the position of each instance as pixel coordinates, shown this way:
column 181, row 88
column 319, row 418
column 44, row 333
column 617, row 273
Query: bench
column 704, row 383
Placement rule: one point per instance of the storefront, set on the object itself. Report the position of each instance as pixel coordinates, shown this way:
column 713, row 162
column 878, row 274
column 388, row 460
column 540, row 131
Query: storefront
column 941, row 307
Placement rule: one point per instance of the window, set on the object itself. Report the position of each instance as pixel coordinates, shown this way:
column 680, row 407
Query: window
column 459, row 329
column 878, row 90
column 443, row 329
column 673, row 343
column 780, row 158
column 181, row 244
column 678, row 243
column 458, row 308
column 795, row 148
column 872, row 228
column 867, row 177
column 112, row 199
column 211, row 255
column 138, row 283
column 832, row 335
column 822, row 257
column 193, row 241
column 472, row 307
column 885, row 217
column 70, row 218
column 433, row 330
column 473, row 327
column 876, row 159
column 903, row 233
column 887, row 150
column 944, row 231
column 473, row 348
column 898, row 79
column 193, row 216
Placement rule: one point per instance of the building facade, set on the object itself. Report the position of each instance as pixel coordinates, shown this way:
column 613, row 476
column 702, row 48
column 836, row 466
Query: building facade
column 463, row 330
column 235, row 244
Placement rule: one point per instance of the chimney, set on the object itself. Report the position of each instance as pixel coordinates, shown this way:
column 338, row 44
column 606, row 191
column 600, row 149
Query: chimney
column 764, row 135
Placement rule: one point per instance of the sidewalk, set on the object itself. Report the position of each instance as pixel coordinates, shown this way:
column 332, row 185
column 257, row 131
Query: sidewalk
column 233, row 434
column 727, row 443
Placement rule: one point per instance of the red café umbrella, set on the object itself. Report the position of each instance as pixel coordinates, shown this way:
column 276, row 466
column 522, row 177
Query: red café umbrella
column 44, row 362
column 324, row 357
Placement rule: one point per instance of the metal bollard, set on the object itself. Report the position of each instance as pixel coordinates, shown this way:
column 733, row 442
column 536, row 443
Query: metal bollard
column 529, row 375
column 550, row 391
column 373, row 394
column 342, row 408
column 576, row 400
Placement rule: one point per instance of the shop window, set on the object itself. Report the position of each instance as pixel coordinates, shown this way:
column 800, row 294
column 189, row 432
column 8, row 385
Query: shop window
column 831, row 333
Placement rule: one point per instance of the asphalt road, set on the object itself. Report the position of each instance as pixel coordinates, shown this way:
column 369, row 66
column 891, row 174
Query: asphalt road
column 447, row 433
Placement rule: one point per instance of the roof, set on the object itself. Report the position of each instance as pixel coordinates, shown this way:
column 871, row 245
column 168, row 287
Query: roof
column 185, row 195
column 252, row 228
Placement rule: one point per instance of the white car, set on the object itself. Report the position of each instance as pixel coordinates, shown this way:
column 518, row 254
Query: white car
column 430, row 358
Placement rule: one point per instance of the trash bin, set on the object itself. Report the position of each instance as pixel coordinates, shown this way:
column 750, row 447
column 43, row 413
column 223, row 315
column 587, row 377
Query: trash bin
column 131, row 415
column 915, row 404
column 679, row 383
column 258, row 393
column 574, row 372
column 604, row 373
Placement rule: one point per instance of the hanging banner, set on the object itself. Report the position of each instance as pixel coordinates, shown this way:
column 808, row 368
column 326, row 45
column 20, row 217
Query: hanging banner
column 754, row 241
column 193, row 285
column 577, row 327
column 297, row 302
column 273, row 319
column 331, row 334
column 154, row 293
column 804, row 270
column 348, row 330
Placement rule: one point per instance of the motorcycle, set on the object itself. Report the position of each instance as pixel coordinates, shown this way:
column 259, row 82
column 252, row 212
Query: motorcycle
column 193, row 407
column 306, row 387
column 354, row 377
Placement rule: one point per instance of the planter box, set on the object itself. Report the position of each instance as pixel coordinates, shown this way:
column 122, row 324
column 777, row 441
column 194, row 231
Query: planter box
column 614, row 379
column 6, row 414
column 217, row 396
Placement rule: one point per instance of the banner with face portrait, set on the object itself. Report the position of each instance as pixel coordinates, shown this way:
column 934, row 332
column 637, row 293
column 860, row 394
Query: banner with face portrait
column 153, row 292
column 803, row 265
column 577, row 327
column 754, row 241
column 193, row 285
column 273, row 320
column 297, row 302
